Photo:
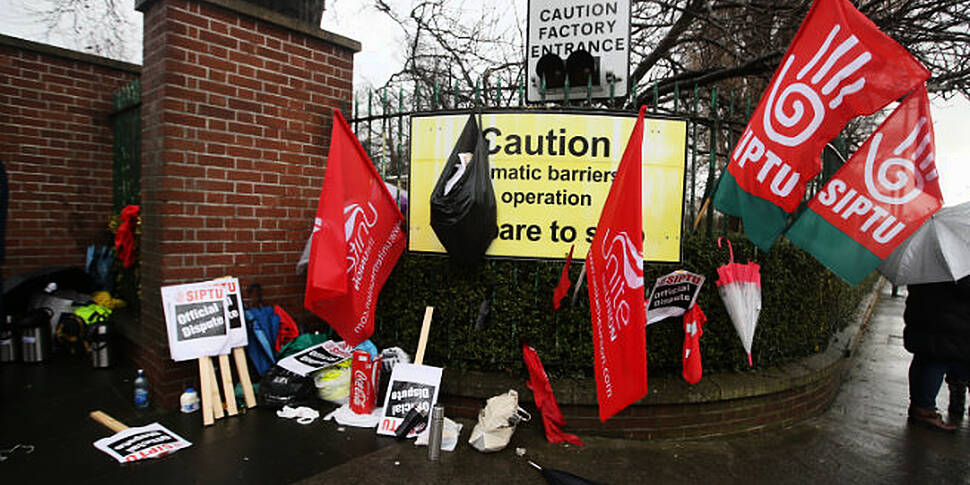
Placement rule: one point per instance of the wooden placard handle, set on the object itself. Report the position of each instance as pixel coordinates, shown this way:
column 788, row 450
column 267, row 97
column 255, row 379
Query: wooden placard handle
column 108, row 422
column 423, row 340
column 227, row 388
column 217, row 409
column 243, row 370
column 206, row 388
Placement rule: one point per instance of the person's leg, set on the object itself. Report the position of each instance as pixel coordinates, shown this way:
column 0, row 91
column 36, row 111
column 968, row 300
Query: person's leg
column 957, row 376
column 925, row 379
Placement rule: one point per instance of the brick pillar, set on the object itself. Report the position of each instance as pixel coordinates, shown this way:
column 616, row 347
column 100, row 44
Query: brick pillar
column 236, row 111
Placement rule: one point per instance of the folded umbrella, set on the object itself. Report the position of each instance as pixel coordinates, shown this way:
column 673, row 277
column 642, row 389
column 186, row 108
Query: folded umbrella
column 559, row 477
column 739, row 286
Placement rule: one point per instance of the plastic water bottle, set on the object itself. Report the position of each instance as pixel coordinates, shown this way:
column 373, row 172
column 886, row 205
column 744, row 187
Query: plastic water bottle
column 141, row 390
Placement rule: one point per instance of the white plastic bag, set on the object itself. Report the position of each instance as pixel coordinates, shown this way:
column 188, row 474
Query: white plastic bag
column 450, row 431
column 497, row 421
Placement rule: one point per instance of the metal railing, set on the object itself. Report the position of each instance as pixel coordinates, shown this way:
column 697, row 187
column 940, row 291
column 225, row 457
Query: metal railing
column 716, row 117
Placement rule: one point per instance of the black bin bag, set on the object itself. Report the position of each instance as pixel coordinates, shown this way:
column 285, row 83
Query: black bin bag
column 463, row 200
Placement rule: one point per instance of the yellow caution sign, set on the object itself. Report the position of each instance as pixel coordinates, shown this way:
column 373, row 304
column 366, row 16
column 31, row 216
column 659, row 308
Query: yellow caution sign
column 552, row 172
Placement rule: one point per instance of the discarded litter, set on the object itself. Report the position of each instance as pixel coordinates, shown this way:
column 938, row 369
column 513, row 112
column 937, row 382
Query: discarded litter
column 302, row 414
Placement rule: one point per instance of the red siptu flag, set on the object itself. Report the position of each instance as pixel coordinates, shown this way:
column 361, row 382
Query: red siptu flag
column 878, row 198
column 356, row 241
column 614, row 266
column 838, row 66
column 563, row 287
column 552, row 418
column 693, row 322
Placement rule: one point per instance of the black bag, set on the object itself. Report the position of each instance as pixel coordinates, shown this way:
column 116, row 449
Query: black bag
column 463, row 208
column 279, row 387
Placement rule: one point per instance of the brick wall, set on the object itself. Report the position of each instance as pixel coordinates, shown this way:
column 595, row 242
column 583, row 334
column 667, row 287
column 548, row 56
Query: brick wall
column 56, row 144
column 682, row 420
column 236, row 110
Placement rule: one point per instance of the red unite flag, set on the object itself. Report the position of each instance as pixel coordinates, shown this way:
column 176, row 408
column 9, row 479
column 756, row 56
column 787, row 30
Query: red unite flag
column 563, row 287
column 838, row 66
column 615, row 269
column 356, row 241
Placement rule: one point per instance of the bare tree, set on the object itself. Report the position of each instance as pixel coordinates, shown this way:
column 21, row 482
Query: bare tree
column 101, row 27
column 461, row 42
column 734, row 45
column 728, row 43
column 740, row 42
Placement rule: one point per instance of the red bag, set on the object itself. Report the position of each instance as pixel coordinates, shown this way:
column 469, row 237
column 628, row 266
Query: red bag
column 287, row 331
column 693, row 320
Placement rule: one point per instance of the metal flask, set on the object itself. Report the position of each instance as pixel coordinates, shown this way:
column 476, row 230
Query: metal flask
column 35, row 342
column 9, row 344
column 99, row 342
column 434, row 437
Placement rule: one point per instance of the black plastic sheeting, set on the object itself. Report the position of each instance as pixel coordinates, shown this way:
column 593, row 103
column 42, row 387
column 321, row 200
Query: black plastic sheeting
column 464, row 218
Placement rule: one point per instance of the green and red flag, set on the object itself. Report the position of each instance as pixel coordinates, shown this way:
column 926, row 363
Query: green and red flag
column 838, row 66
column 878, row 198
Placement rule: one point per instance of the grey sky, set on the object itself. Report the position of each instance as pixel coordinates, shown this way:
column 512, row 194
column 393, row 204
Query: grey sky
column 382, row 55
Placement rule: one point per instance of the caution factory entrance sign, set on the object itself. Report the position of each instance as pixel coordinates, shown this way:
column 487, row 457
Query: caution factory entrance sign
column 551, row 173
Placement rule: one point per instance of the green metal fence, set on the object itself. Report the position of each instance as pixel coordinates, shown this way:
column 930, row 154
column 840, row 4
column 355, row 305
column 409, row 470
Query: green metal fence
column 126, row 127
column 716, row 116
column 519, row 291
column 126, row 124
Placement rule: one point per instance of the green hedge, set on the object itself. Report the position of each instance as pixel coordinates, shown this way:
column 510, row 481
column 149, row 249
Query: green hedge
column 803, row 305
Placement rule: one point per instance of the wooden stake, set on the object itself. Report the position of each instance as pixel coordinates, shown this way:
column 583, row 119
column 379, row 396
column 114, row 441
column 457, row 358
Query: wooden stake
column 243, row 370
column 423, row 340
column 700, row 213
column 217, row 410
column 206, row 384
column 227, row 388
column 579, row 283
column 108, row 422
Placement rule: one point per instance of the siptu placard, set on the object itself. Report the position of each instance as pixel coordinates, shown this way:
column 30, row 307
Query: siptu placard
column 234, row 311
column 673, row 294
column 317, row 357
column 584, row 44
column 135, row 444
column 196, row 319
column 411, row 386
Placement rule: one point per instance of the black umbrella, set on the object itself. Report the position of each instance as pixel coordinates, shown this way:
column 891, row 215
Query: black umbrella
column 559, row 477
column 18, row 289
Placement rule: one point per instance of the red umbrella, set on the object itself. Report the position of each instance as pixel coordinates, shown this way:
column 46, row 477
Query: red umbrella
column 740, row 288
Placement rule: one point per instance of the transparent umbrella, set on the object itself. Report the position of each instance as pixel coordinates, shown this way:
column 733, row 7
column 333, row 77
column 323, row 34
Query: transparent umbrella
column 938, row 251
column 740, row 288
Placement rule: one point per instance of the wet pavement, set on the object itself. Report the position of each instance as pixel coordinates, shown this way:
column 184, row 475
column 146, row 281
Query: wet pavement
column 863, row 438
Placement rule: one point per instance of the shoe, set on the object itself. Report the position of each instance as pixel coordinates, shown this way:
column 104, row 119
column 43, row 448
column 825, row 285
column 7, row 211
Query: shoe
column 929, row 418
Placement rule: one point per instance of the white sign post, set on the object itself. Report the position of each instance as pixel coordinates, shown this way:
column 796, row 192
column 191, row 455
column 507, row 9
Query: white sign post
column 566, row 36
